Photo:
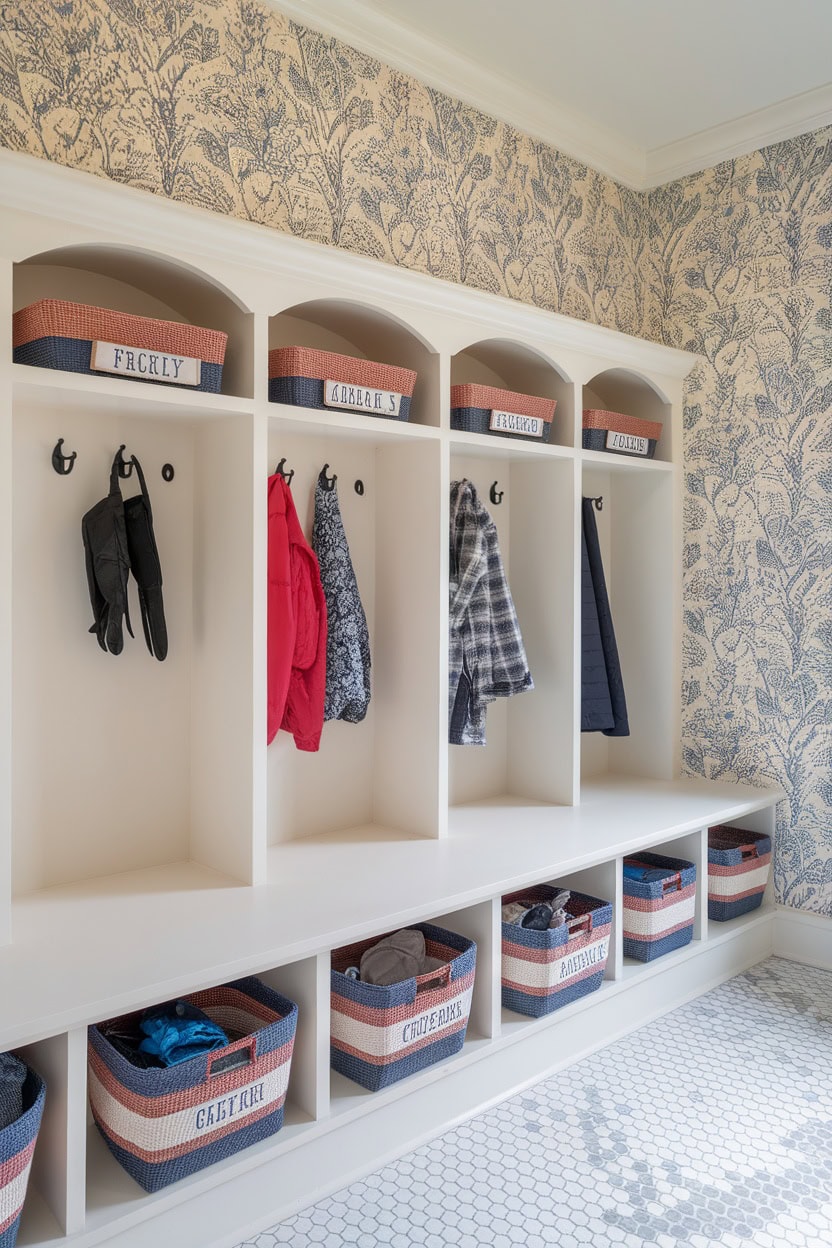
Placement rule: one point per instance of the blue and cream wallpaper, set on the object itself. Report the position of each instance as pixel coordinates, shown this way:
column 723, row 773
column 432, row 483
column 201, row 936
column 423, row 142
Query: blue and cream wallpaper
column 229, row 105
column 742, row 269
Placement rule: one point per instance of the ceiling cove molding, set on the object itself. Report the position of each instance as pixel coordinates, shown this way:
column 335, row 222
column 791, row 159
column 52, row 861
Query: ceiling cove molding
column 436, row 64
column 811, row 110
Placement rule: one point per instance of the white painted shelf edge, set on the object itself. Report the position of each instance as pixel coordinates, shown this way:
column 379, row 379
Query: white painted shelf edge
column 82, row 953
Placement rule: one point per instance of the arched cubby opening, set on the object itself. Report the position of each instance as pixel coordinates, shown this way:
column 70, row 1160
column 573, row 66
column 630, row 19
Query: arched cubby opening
column 511, row 365
column 620, row 390
column 352, row 328
column 127, row 279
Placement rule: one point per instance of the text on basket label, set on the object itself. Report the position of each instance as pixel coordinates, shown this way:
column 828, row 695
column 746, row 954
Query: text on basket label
column 229, row 1107
column 627, row 442
column 362, row 398
column 590, row 955
column 433, row 1020
column 110, row 357
column 513, row 422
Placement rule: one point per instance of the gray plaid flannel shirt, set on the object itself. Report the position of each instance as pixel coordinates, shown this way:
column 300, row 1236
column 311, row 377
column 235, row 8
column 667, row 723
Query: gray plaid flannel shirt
column 487, row 657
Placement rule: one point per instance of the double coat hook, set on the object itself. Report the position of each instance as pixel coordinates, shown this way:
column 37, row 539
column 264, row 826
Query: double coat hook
column 496, row 495
column 63, row 464
column 280, row 471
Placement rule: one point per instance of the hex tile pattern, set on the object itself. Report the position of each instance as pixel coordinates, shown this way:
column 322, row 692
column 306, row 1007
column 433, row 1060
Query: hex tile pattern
column 711, row 1126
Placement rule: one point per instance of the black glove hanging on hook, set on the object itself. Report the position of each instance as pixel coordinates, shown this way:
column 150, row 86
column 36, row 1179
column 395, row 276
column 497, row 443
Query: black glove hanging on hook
column 146, row 568
column 104, row 535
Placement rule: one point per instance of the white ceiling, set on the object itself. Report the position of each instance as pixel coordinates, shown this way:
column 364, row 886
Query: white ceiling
column 646, row 89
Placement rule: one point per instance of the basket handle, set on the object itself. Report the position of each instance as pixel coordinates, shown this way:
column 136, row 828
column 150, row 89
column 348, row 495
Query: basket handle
column 581, row 923
column 748, row 851
column 233, row 1057
column 439, row 978
column 673, row 883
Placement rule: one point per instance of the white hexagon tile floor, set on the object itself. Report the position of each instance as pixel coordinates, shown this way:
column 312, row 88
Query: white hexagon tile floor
column 711, row 1126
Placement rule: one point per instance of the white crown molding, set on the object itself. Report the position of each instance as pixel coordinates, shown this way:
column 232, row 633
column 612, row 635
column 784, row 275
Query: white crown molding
column 433, row 62
column 441, row 67
column 811, row 110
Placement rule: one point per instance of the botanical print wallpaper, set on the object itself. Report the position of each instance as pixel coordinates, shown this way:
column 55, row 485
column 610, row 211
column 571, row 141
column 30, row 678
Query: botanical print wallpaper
column 742, row 260
column 228, row 105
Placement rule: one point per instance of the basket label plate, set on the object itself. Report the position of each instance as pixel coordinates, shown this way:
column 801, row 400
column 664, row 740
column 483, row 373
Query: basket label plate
column 111, row 357
column 513, row 422
column 362, row 399
column 592, row 955
column 627, row 442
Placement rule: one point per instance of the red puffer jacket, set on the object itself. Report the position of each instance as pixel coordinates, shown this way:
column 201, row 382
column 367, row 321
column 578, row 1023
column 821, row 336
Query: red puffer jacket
column 296, row 626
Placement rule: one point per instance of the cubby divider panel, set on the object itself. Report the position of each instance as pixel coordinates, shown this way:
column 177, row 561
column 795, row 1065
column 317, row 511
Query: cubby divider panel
column 530, row 746
column 384, row 770
column 127, row 279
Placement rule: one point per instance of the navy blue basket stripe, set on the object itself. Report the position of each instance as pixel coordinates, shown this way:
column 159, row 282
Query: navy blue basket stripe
column 596, row 440
column 73, row 355
column 309, row 392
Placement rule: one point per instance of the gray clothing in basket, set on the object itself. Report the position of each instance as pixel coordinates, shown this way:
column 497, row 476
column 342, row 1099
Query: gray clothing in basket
column 487, row 657
column 12, row 1078
column 347, row 640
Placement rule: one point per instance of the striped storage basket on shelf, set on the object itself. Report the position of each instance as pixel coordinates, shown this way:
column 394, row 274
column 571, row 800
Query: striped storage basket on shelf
column 382, row 1034
column 619, row 434
column 80, row 338
column 543, row 971
column 164, row 1123
column 17, row 1145
column 738, row 867
column 306, row 377
column 501, row 413
column 658, row 914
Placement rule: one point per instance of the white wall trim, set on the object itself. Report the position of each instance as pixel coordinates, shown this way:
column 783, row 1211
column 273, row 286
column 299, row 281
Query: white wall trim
column 803, row 937
column 800, row 114
column 433, row 62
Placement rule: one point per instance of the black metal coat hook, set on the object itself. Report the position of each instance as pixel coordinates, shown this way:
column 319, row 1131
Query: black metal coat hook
column 280, row 471
column 496, row 495
column 359, row 486
column 328, row 483
column 63, row 464
column 125, row 467
column 167, row 472
column 599, row 502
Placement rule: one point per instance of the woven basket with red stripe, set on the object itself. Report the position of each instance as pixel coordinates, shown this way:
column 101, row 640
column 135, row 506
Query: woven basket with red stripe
column 738, row 866
column 380, row 1034
column 54, row 333
column 630, row 433
column 659, row 914
column 17, row 1146
column 501, row 413
column 543, row 971
column 302, row 376
column 164, row 1123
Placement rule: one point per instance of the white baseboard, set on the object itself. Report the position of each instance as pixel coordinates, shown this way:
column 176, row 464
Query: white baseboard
column 803, row 937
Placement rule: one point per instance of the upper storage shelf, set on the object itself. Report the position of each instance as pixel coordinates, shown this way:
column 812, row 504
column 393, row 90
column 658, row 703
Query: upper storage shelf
column 125, row 279
column 620, row 390
column 360, row 330
column 510, row 365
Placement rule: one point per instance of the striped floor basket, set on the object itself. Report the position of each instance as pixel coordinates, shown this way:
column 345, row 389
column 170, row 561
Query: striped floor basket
column 543, row 971
column 306, row 377
column 17, row 1144
column 382, row 1034
column 659, row 915
column 738, row 867
column 164, row 1123
column 80, row 338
